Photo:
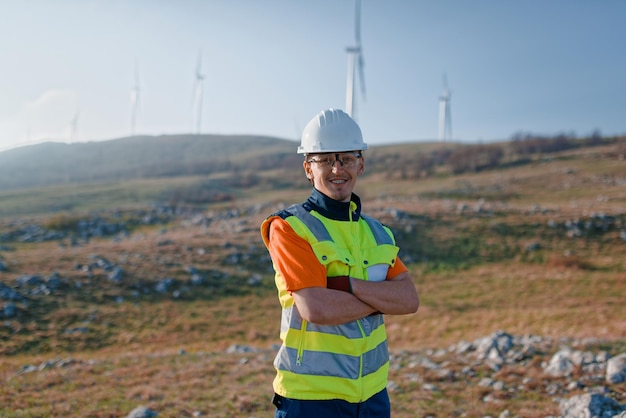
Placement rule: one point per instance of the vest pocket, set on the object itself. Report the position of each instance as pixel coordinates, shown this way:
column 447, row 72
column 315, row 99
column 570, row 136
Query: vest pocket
column 377, row 260
column 338, row 261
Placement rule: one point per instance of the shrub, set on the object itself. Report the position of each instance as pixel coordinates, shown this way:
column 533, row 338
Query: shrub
column 62, row 222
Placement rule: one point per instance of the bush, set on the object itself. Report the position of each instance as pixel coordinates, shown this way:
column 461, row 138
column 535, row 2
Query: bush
column 62, row 222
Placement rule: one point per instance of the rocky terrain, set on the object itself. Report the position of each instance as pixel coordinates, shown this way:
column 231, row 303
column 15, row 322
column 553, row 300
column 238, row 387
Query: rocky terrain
column 171, row 310
column 579, row 382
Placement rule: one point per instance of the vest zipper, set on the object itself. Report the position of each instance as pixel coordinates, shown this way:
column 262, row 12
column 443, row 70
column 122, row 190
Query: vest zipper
column 358, row 264
column 301, row 344
column 356, row 253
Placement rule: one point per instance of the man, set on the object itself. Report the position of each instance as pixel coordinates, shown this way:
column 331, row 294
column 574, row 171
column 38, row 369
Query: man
column 337, row 273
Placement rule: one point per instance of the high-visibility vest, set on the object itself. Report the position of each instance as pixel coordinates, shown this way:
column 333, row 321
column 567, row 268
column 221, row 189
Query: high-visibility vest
column 348, row 361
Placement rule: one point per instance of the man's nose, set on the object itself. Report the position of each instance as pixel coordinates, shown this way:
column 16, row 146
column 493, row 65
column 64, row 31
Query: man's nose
column 336, row 160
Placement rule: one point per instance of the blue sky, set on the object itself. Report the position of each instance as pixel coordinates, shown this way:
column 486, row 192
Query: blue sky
column 541, row 66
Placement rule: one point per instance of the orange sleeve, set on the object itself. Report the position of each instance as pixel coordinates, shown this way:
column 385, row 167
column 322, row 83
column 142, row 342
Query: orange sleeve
column 294, row 258
column 398, row 267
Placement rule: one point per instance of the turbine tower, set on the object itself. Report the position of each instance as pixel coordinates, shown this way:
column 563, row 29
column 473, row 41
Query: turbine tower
column 355, row 63
column 198, row 87
column 74, row 127
column 445, row 116
column 134, row 102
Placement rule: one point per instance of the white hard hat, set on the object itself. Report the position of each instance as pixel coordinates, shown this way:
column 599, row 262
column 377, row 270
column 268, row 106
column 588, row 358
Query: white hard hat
column 331, row 130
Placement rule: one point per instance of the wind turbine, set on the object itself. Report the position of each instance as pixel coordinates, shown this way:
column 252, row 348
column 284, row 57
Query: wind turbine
column 74, row 127
column 355, row 63
column 445, row 116
column 198, row 87
column 134, row 102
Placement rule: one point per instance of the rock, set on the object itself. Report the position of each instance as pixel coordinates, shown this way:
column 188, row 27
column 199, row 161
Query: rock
column 255, row 280
column 494, row 348
column 499, row 340
column 616, row 369
column 196, row 279
column 6, row 293
column 116, row 275
column 28, row 280
column 239, row 349
column 590, row 405
column 53, row 281
column 164, row 285
column 142, row 412
column 9, row 310
column 560, row 364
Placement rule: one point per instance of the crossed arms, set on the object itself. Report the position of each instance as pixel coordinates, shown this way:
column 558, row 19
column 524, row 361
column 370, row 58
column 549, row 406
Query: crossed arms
column 306, row 279
column 329, row 306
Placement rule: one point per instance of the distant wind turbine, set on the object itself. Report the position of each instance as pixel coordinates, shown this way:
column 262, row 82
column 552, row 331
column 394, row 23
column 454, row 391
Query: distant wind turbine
column 198, row 90
column 134, row 102
column 74, row 127
column 355, row 63
column 445, row 115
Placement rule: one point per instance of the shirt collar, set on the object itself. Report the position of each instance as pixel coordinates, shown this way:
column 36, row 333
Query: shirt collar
column 333, row 209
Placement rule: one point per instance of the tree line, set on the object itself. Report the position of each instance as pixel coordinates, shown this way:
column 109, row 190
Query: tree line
column 479, row 157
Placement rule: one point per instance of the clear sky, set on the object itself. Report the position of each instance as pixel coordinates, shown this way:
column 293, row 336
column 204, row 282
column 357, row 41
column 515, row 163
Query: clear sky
column 540, row 66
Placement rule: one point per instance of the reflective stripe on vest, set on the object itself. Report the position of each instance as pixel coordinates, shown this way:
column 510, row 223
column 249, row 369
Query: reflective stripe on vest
column 380, row 235
column 321, row 363
column 321, row 233
column 291, row 319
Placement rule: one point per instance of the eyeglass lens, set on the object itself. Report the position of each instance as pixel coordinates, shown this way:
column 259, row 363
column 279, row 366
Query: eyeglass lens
column 345, row 160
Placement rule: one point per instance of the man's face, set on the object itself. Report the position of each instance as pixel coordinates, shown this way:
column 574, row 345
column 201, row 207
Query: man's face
column 335, row 173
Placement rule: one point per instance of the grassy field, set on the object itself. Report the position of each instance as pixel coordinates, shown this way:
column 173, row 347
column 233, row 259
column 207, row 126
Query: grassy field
column 494, row 250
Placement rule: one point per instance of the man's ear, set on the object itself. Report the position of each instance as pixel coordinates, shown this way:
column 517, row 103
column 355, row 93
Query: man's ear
column 307, row 170
column 361, row 166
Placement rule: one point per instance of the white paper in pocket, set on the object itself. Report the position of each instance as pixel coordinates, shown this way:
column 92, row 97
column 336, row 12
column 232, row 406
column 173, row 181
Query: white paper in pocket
column 377, row 272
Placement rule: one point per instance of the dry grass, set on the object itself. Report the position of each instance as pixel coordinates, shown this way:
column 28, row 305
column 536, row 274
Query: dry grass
column 171, row 355
column 473, row 272
column 519, row 299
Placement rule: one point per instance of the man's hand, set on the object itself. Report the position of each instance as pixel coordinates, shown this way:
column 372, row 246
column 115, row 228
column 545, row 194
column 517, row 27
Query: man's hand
column 339, row 283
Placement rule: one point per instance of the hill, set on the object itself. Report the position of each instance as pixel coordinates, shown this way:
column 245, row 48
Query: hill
column 137, row 157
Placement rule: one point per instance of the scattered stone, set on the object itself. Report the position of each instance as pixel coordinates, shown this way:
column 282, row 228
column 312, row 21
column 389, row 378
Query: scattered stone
column 239, row 349
column 164, row 285
column 117, row 274
column 255, row 279
column 9, row 310
column 590, row 405
column 142, row 412
column 6, row 293
column 76, row 330
column 28, row 280
column 53, row 281
column 616, row 369
column 430, row 387
column 560, row 364
column 197, row 280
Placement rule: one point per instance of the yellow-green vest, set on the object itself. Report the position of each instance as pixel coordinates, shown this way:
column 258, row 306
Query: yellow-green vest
column 348, row 361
